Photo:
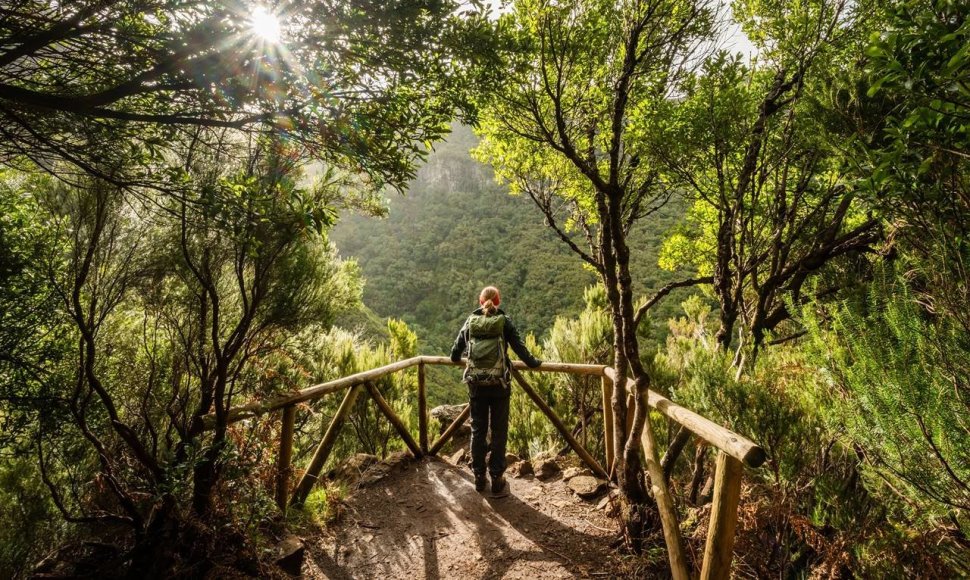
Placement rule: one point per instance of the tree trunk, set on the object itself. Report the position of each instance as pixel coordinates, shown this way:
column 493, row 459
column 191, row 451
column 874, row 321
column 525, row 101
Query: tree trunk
column 677, row 444
column 698, row 476
column 727, row 319
column 206, row 473
column 204, row 478
column 154, row 548
column 635, row 508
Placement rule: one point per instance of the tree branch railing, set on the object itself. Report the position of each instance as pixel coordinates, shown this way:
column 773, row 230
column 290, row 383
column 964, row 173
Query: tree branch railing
column 734, row 451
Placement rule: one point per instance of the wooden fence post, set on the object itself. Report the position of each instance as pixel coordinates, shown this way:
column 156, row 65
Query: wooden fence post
column 286, row 455
column 326, row 446
column 607, row 387
column 392, row 417
column 665, row 503
column 724, row 518
column 560, row 426
column 422, row 410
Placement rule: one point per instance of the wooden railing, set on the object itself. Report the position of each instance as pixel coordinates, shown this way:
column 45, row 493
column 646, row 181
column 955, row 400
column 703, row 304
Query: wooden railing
column 734, row 451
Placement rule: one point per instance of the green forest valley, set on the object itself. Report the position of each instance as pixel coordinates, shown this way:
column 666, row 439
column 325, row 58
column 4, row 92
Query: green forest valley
column 238, row 241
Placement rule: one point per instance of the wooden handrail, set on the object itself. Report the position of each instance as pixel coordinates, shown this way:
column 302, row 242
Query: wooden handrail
column 316, row 391
column 741, row 448
column 548, row 367
column 735, row 445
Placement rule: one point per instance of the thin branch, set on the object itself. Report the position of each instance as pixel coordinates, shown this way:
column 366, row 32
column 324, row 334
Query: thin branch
column 788, row 338
column 59, row 500
column 667, row 290
column 551, row 222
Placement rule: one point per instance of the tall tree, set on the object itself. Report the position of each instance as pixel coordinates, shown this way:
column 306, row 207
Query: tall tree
column 361, row 85
column 764, row 164
column 171, row 303
column 565, row 127
column 915, row 164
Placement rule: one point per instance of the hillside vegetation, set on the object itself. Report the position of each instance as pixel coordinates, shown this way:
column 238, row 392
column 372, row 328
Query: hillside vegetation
column 456, row 230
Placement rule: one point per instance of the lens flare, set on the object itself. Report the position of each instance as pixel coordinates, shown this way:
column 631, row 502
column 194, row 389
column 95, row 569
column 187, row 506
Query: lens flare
column 265, row 25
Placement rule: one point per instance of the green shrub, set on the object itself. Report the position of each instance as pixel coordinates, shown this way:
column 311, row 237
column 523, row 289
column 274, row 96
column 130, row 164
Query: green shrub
column 897, row 377
column 30, row 526
column 577, row 400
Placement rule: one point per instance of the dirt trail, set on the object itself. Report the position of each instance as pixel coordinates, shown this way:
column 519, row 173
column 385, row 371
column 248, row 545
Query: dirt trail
column 427, row 521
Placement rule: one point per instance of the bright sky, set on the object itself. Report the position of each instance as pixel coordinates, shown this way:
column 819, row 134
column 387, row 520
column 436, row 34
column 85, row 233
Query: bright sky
column 733, row 38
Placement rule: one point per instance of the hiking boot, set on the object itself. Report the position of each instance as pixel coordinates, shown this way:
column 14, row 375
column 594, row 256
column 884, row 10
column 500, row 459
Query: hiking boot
column 480, row 482
column 498, row 485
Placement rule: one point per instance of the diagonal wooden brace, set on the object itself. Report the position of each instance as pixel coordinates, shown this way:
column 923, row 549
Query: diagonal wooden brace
column 560, row 426
column 392, row 417
column 326, row 446
column 665, row 504
column 451, row 430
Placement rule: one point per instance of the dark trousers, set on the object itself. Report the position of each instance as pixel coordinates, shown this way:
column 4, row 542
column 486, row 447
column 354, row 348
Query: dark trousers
column 489, row 412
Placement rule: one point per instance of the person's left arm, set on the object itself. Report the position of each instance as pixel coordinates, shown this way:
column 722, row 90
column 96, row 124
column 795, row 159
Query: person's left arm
column 512, row 338
column 460, row 342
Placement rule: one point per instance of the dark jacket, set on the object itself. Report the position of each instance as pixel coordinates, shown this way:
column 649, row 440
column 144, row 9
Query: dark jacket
column 510, row 337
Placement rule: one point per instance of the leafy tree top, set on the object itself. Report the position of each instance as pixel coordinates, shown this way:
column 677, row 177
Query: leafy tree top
column 586, row 83
column 362, row 85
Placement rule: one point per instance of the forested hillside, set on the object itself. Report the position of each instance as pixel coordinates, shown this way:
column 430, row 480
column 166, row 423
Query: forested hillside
column 456, row 230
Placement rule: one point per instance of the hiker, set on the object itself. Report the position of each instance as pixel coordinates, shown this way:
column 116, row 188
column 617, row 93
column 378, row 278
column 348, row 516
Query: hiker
column 484, row 339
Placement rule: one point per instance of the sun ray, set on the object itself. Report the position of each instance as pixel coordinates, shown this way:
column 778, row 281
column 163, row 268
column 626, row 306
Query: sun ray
column 265, row 24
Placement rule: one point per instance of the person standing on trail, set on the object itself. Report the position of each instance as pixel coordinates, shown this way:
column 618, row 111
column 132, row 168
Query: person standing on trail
column 484, row 340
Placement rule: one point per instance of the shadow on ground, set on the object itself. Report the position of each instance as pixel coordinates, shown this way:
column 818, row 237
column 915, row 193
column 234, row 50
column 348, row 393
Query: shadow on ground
column 427, row 521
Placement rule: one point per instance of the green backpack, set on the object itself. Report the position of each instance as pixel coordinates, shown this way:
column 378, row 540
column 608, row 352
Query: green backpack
column 486, row 351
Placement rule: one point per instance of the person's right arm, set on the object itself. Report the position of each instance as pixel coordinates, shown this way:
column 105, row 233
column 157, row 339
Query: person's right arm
column 513, row 339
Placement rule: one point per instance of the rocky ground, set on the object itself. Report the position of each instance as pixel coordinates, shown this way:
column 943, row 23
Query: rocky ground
column 424, row 519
